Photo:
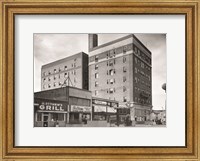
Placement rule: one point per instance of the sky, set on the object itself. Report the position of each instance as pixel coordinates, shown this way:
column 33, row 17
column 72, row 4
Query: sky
column 52, row 47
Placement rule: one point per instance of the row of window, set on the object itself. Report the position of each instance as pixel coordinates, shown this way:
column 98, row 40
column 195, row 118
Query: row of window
column 142, row 65
column 73, row 65
column 55, row 84
column 142, row 55
column 142, row 73
column 112, row 53
column 138, row 90
column 141, row 100
column 73, row 72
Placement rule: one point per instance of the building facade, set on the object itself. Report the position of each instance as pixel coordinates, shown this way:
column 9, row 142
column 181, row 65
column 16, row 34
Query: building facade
column 121, row 70
column 62, row 106
column 70, row 71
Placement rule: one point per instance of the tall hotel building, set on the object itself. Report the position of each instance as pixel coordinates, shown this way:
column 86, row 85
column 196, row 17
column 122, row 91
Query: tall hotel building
column 121, row 70
column 70, row 71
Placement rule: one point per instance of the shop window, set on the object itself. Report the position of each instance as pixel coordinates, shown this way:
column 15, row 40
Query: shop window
column 96, row 75
column 39, row 116
column 57, row 117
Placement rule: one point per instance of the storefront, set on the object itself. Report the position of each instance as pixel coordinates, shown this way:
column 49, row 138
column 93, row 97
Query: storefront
column 50, row 113
column 103, row 109
column 79, row 114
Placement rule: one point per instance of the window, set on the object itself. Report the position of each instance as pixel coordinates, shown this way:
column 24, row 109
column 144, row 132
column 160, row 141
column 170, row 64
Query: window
column 57, row 117
column 124, row 99
column 49, row 79
column 96, row 92
column 44, row 86
column 54, row 84
column 74, row 72
column 107, row 81
column 59, row 70
column 96, row 58
column 135, row 70
column 96, row 75
column 135, row 89
column 96, row 66
column 65, row 67
column 74, row 80
column 124, row 89
column 49, row 72
column 44, row 73
column 124, row 79
column 54, row 70
column 49, row 85
column 136, row 80
column 59, row 76
column 112, row 71
column 111, row 90
column 124, row 69
column 39, row 116
column 65, row 75
column 44, row 80
column 142, row 64
column 75, row 59
column 124, row 59
column 74, row 65
column 96, row 84
column 135, row 60
column 112, row 81
column 60, row 83
column 135, row 99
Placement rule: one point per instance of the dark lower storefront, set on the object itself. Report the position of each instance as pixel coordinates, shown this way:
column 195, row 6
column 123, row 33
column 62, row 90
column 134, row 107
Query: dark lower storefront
column 50, row 113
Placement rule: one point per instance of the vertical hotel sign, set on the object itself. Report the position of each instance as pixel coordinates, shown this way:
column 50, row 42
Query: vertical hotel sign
column 50, row 105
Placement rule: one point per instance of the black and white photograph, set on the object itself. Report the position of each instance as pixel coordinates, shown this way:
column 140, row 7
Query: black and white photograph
column 100, row 80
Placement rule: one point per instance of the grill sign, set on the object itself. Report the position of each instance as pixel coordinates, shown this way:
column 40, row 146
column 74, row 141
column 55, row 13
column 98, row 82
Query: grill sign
column 48, row 106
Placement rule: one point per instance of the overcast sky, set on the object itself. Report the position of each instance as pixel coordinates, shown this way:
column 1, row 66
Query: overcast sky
column 52, row 47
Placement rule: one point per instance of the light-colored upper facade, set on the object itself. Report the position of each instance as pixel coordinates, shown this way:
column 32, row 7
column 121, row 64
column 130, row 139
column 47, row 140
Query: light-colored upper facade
column 121, row 70
column 70, row 71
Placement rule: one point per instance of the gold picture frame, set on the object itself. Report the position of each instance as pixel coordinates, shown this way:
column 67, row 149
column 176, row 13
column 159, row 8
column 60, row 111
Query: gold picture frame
column 10, row 8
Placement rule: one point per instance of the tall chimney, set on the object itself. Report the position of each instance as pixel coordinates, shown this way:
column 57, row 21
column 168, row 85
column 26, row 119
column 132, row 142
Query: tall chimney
column 93, row 41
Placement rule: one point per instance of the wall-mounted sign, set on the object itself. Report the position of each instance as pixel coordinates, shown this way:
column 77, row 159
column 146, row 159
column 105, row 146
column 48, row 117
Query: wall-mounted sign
column 50, row 105
column 76, row 108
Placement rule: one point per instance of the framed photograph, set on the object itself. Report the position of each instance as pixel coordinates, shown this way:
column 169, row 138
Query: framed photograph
column 100, row 80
